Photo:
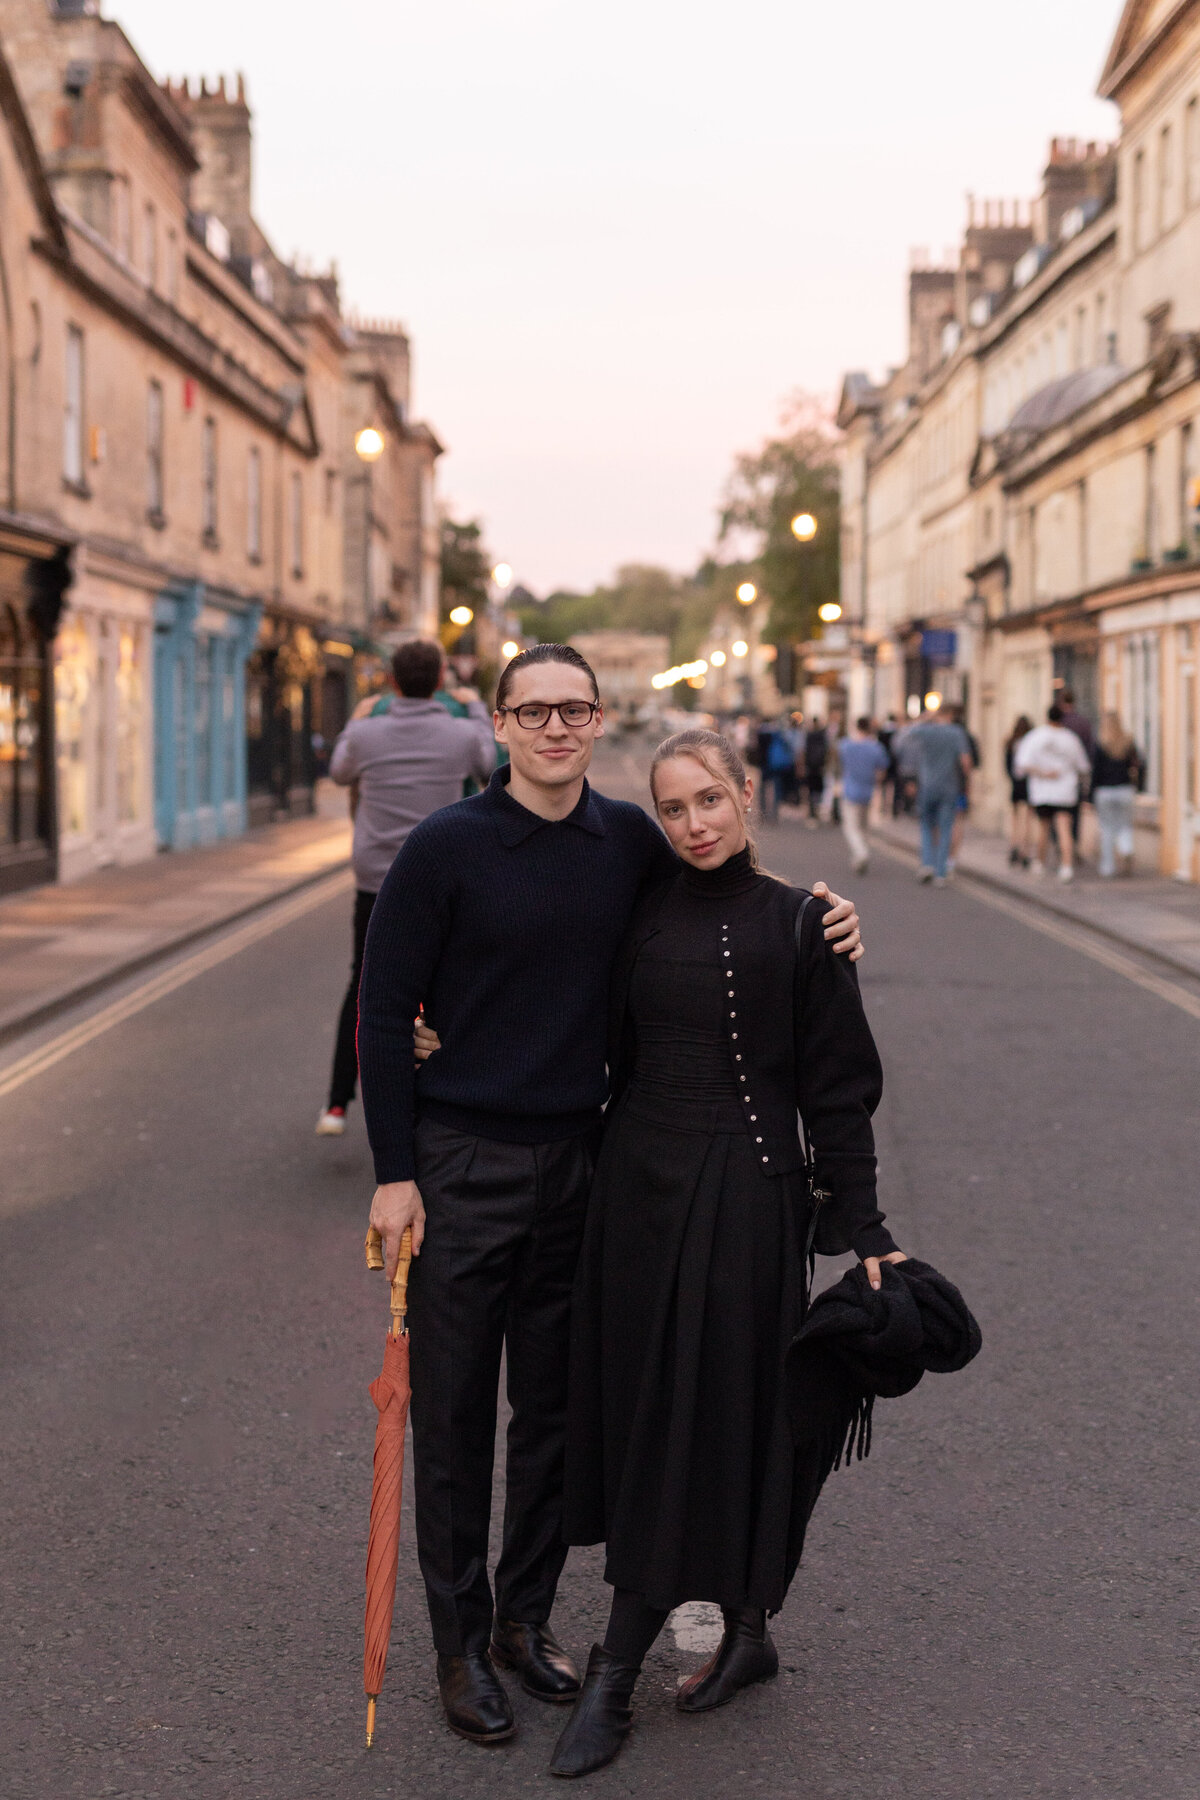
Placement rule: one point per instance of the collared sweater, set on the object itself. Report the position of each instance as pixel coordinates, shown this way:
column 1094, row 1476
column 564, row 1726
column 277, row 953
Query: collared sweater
column 504, row 926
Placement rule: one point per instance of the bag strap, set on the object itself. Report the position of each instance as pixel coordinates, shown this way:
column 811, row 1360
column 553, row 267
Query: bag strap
column 817, row 1196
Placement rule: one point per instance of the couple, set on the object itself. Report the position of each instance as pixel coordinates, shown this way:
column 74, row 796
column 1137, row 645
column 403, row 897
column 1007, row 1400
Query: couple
column 538, row 923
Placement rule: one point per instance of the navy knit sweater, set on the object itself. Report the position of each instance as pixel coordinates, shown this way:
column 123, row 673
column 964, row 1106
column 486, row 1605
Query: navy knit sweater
column 505, row 927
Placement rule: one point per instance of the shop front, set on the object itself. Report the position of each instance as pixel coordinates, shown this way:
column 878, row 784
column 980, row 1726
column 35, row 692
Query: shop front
column 33, row 578
column 202, row 641
column 284, row 708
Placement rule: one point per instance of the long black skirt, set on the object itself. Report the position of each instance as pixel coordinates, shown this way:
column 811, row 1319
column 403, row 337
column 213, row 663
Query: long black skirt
column 690, row 1288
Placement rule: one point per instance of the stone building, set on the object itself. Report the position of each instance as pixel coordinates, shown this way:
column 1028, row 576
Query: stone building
column 177, row 466
column 1020, row 500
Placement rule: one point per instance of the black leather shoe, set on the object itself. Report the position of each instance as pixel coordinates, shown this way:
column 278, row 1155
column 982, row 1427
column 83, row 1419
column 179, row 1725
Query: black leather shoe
column 535, row 1654
column 602, row 1717
column 476, row 1704
column 745, row 1655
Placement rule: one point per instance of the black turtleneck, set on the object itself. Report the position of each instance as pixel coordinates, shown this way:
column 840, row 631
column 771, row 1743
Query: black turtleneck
column 736, row 875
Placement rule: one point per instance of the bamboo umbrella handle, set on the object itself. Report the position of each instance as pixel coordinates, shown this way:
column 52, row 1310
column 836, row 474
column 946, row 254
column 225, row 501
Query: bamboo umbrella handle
column 399, row 1300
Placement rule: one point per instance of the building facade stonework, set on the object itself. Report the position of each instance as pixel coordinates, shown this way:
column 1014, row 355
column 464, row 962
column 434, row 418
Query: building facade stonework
column 1021, row 500
column 179, row 635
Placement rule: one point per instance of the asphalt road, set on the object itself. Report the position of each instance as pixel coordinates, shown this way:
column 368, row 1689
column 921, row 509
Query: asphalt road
column 1000, row 1602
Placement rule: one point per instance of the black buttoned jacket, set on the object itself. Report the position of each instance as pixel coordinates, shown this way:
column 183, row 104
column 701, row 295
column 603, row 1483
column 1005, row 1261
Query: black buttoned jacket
column 799, row 1045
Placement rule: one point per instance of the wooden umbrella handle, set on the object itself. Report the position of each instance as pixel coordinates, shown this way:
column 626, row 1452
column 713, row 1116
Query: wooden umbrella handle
column 399, row 1300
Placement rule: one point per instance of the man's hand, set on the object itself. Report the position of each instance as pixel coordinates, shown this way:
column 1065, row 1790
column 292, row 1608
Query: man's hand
column 425, row 1040
column 366, row 706
column 841, row 925
column 397, row 1204
column 465, row 695
column 871, row 1265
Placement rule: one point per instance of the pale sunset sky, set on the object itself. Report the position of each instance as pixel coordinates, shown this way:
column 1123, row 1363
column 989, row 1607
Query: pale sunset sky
column 621, row 235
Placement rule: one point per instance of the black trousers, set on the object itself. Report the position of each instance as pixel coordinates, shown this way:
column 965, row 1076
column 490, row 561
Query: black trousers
column 344, row 1079
column 504, row 1224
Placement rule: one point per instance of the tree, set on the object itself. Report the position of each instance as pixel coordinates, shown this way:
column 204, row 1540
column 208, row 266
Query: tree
column 641, row 598
column 466, row 566
column 791, row 474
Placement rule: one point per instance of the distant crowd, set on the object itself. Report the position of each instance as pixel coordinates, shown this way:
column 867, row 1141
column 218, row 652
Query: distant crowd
column 818, row 769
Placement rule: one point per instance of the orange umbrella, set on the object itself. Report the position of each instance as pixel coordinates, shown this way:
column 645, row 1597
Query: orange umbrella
column 391, row 1392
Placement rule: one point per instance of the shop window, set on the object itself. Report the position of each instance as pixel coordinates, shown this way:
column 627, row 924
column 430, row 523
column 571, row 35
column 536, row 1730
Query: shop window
column 73, row 409
column 154, row 453
column 130, row 697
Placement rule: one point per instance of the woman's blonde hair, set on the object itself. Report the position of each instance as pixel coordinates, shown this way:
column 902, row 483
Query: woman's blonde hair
column 1114, row 739
column 715, row 753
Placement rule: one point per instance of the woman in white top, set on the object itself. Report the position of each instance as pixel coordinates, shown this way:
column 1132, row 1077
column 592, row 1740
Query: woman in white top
column 1055, row 762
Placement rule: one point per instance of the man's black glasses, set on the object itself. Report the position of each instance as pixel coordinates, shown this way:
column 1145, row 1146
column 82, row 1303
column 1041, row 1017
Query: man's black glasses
column 535, row 713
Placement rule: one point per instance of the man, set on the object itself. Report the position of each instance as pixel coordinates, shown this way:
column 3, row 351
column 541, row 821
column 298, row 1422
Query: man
column 816, row 755
column 405, row 761
column 938, row 754
column 1055, row 762
column 864, row 764
column 958, row 716
column 502, row 914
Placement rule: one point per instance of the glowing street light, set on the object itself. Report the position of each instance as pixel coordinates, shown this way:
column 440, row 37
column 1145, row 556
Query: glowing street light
column 747, row 593
column 741, row 648
column 830, row 612
column 461, row 615
column 933, row 701
column 804, row 526
column 502, row 575
column 369, row 444
column 717, row 659
column 509, row 650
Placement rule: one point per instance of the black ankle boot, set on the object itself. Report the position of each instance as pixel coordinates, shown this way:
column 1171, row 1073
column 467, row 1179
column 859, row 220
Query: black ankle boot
column 600, row 1722
column 745, row 1655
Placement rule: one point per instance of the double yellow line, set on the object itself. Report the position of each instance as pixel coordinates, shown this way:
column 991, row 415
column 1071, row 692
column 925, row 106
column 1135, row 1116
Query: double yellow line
column 159, row 986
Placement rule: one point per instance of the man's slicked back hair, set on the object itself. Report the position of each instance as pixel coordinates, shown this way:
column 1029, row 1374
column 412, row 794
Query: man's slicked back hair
column 417, row 668
column 544, row 653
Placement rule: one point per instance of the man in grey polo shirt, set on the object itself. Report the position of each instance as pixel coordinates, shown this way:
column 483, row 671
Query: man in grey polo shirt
column 406, row 762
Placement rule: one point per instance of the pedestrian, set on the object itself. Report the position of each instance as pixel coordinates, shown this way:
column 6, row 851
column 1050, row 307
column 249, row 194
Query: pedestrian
column 1118, row 772
column 957, row 715
column 401, row 763
column 864, row 764
column 1075, row 721
column 886, row 733
column 1020, row 818
column 816, row 755
column 1055, row 762
column 503, row 916
column 938, row 754
column 779, row 761
column 728, row 1014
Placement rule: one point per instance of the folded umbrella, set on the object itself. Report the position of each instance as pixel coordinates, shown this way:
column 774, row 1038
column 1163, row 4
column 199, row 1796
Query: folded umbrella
column 391, row 1392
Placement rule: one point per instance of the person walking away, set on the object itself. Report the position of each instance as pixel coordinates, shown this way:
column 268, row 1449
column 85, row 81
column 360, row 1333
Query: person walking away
column 1055, row 762
column 1020, row 818
column 958, row 716
column 886, row 733
column 816, row 755
column 778, row 766
column 938, row 754
column 402, row 763
column 864, row 765
column 1075, row 721
column 728, row 1016
column 1118, row 773
column 503, row 915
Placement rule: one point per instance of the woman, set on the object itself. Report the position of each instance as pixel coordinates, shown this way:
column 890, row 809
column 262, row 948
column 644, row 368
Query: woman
column 1020, row 830
column 1117, row 774
column 729, row 1013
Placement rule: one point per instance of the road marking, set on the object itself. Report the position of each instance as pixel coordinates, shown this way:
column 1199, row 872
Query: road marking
column 1074, row 937
column 159, row 986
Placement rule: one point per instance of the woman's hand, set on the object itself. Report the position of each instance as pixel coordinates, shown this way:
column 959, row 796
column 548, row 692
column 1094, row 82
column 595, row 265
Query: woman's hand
column 871, row 1265
column 425, row 1040
column 841, row 925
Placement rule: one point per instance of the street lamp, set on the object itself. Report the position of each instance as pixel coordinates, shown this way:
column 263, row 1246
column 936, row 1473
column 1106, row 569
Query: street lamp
column 369, row 444
column 829, row 613
column 509, row 650
column 741, row 648
column 804, row 527
column 502, row 575
column 717, row 659
column 747, row 593
column 461, row 615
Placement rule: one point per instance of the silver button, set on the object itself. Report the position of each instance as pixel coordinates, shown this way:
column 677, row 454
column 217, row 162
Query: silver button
column 725, row 953
column 758, row 1140
column 733, row 1034
column 754, row 1118
column 733, row 1016
column 766, row 1159
column 731, row 993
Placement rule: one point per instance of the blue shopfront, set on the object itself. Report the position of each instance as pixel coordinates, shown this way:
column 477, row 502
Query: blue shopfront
column 202, row 639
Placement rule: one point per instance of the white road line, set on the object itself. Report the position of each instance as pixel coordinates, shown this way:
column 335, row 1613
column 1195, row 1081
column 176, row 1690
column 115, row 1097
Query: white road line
column 159, row 986
column 1075, row 938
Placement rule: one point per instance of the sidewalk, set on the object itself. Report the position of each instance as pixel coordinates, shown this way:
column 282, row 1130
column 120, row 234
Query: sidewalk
column 1150, row 913
column 59, row 945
